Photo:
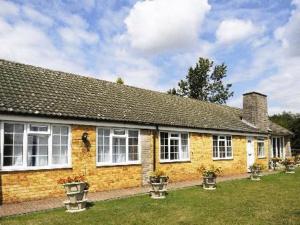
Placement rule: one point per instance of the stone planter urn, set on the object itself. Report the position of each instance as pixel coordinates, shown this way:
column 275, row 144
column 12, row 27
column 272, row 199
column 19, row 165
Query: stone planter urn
column 77, row 196
column 158, row 186
column 255, row 174
column 76, row 189
column 289, row 165
column 209, row 182
column 290, row 168
column 255, row 171
column 209, row 176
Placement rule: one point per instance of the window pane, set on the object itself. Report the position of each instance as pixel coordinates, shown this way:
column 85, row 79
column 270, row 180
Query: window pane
column 133, row 133
column 215, row 147
column 64, row 140
column 103, row 145
column 119, row 150
column 133, row 153
column 229, row 148
column 7, row 161
column 185, row 152
column 60, row 143
column 164, row 151
column 18, row 139
column 274, row 147
column 184, row 146
column 8, row 150
column 18, row 150
column 56, row 140
column 65, row 130
column 8, row 128
column 13, row 144
column 56, row 130
column 260, row 148
column 8, row 139
column 174, row 149
column 119, row 131
column 43, row 140
column 56, row 150
column 133, row 145
column 222, row 149
column 229, row 152
column 38, row 128
column 133, row 141
column 37, row 150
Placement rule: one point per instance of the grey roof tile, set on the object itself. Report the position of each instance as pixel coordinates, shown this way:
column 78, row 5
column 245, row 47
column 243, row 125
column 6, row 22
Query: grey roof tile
column 31, row 90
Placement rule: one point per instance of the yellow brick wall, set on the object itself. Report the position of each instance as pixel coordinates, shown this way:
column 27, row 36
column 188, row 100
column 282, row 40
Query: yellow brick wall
column 264, row 160
column 28, row 185
column 201, row 154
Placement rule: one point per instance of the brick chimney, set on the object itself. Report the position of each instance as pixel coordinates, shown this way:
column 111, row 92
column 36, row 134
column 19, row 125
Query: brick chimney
column 255, row 110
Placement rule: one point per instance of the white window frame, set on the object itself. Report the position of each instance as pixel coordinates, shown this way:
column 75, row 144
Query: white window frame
column 218, row 157
column 281, row 150
column 25, row 147
column 261, row 140
column 48, row 132
column 111, row 136
column 180, row 159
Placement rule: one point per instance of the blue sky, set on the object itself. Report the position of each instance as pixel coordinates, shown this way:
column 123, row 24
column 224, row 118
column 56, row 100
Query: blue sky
column 151, row 44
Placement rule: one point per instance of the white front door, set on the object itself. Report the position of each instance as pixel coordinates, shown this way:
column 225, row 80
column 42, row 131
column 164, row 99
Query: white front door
column 250, row 152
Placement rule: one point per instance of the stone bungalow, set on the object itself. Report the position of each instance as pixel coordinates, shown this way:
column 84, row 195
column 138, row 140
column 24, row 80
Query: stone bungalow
column 131, row 131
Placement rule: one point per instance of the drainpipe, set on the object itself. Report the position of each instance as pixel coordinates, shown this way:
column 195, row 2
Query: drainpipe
column 154, row 147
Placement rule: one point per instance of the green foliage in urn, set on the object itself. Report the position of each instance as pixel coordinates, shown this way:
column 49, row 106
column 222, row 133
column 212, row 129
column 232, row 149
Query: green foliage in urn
column 210, row 171
column 288, row 161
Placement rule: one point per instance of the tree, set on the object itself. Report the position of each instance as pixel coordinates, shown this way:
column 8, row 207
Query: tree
column 119, row 80
column 202, row 84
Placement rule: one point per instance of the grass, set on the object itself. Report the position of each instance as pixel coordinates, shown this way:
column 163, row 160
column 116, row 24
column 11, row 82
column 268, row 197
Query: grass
column 274, row 200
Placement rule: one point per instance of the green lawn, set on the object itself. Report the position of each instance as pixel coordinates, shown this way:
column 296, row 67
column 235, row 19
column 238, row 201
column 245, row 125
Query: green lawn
column 274, row 200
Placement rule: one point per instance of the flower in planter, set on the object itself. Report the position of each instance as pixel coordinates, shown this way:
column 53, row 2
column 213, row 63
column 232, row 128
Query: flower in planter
column 256, row 169
column 158, row 181
column 76, row 189
column 289, row 164
column 210, row 176
column 297, row 160
column 275, row 161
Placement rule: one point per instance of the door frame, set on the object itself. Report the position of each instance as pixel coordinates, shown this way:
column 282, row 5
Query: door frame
column 250, row 151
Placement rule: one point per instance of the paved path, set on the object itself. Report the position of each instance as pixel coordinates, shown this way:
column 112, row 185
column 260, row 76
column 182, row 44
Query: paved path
column 50, row 203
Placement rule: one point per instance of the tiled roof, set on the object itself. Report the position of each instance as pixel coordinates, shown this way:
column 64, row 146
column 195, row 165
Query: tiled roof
column 279, row 130
column 30, row 90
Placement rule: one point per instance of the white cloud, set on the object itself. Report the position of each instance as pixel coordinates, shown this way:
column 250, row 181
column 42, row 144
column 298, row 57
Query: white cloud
column 8, row 8
column 77, row 36
column 161, row 25
column 289, row 34
column 235, row 30
column 276, row 65
column 36, row 16
column 34, row 48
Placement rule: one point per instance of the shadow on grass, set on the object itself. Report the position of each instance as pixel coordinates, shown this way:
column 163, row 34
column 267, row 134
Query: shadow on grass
column 296, row 212
column 89, row 205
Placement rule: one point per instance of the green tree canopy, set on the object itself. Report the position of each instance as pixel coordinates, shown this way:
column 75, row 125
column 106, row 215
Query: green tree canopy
column 205, row 82
column 119, row 80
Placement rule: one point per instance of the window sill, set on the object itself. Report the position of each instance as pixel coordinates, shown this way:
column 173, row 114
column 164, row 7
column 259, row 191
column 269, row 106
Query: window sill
column 118, row 164
column 222, row 159
column 175, row 161
column 12, row 169
column 261, row 157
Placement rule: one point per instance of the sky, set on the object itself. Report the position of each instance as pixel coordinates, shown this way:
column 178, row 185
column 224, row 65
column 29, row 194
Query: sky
column 152, row 43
